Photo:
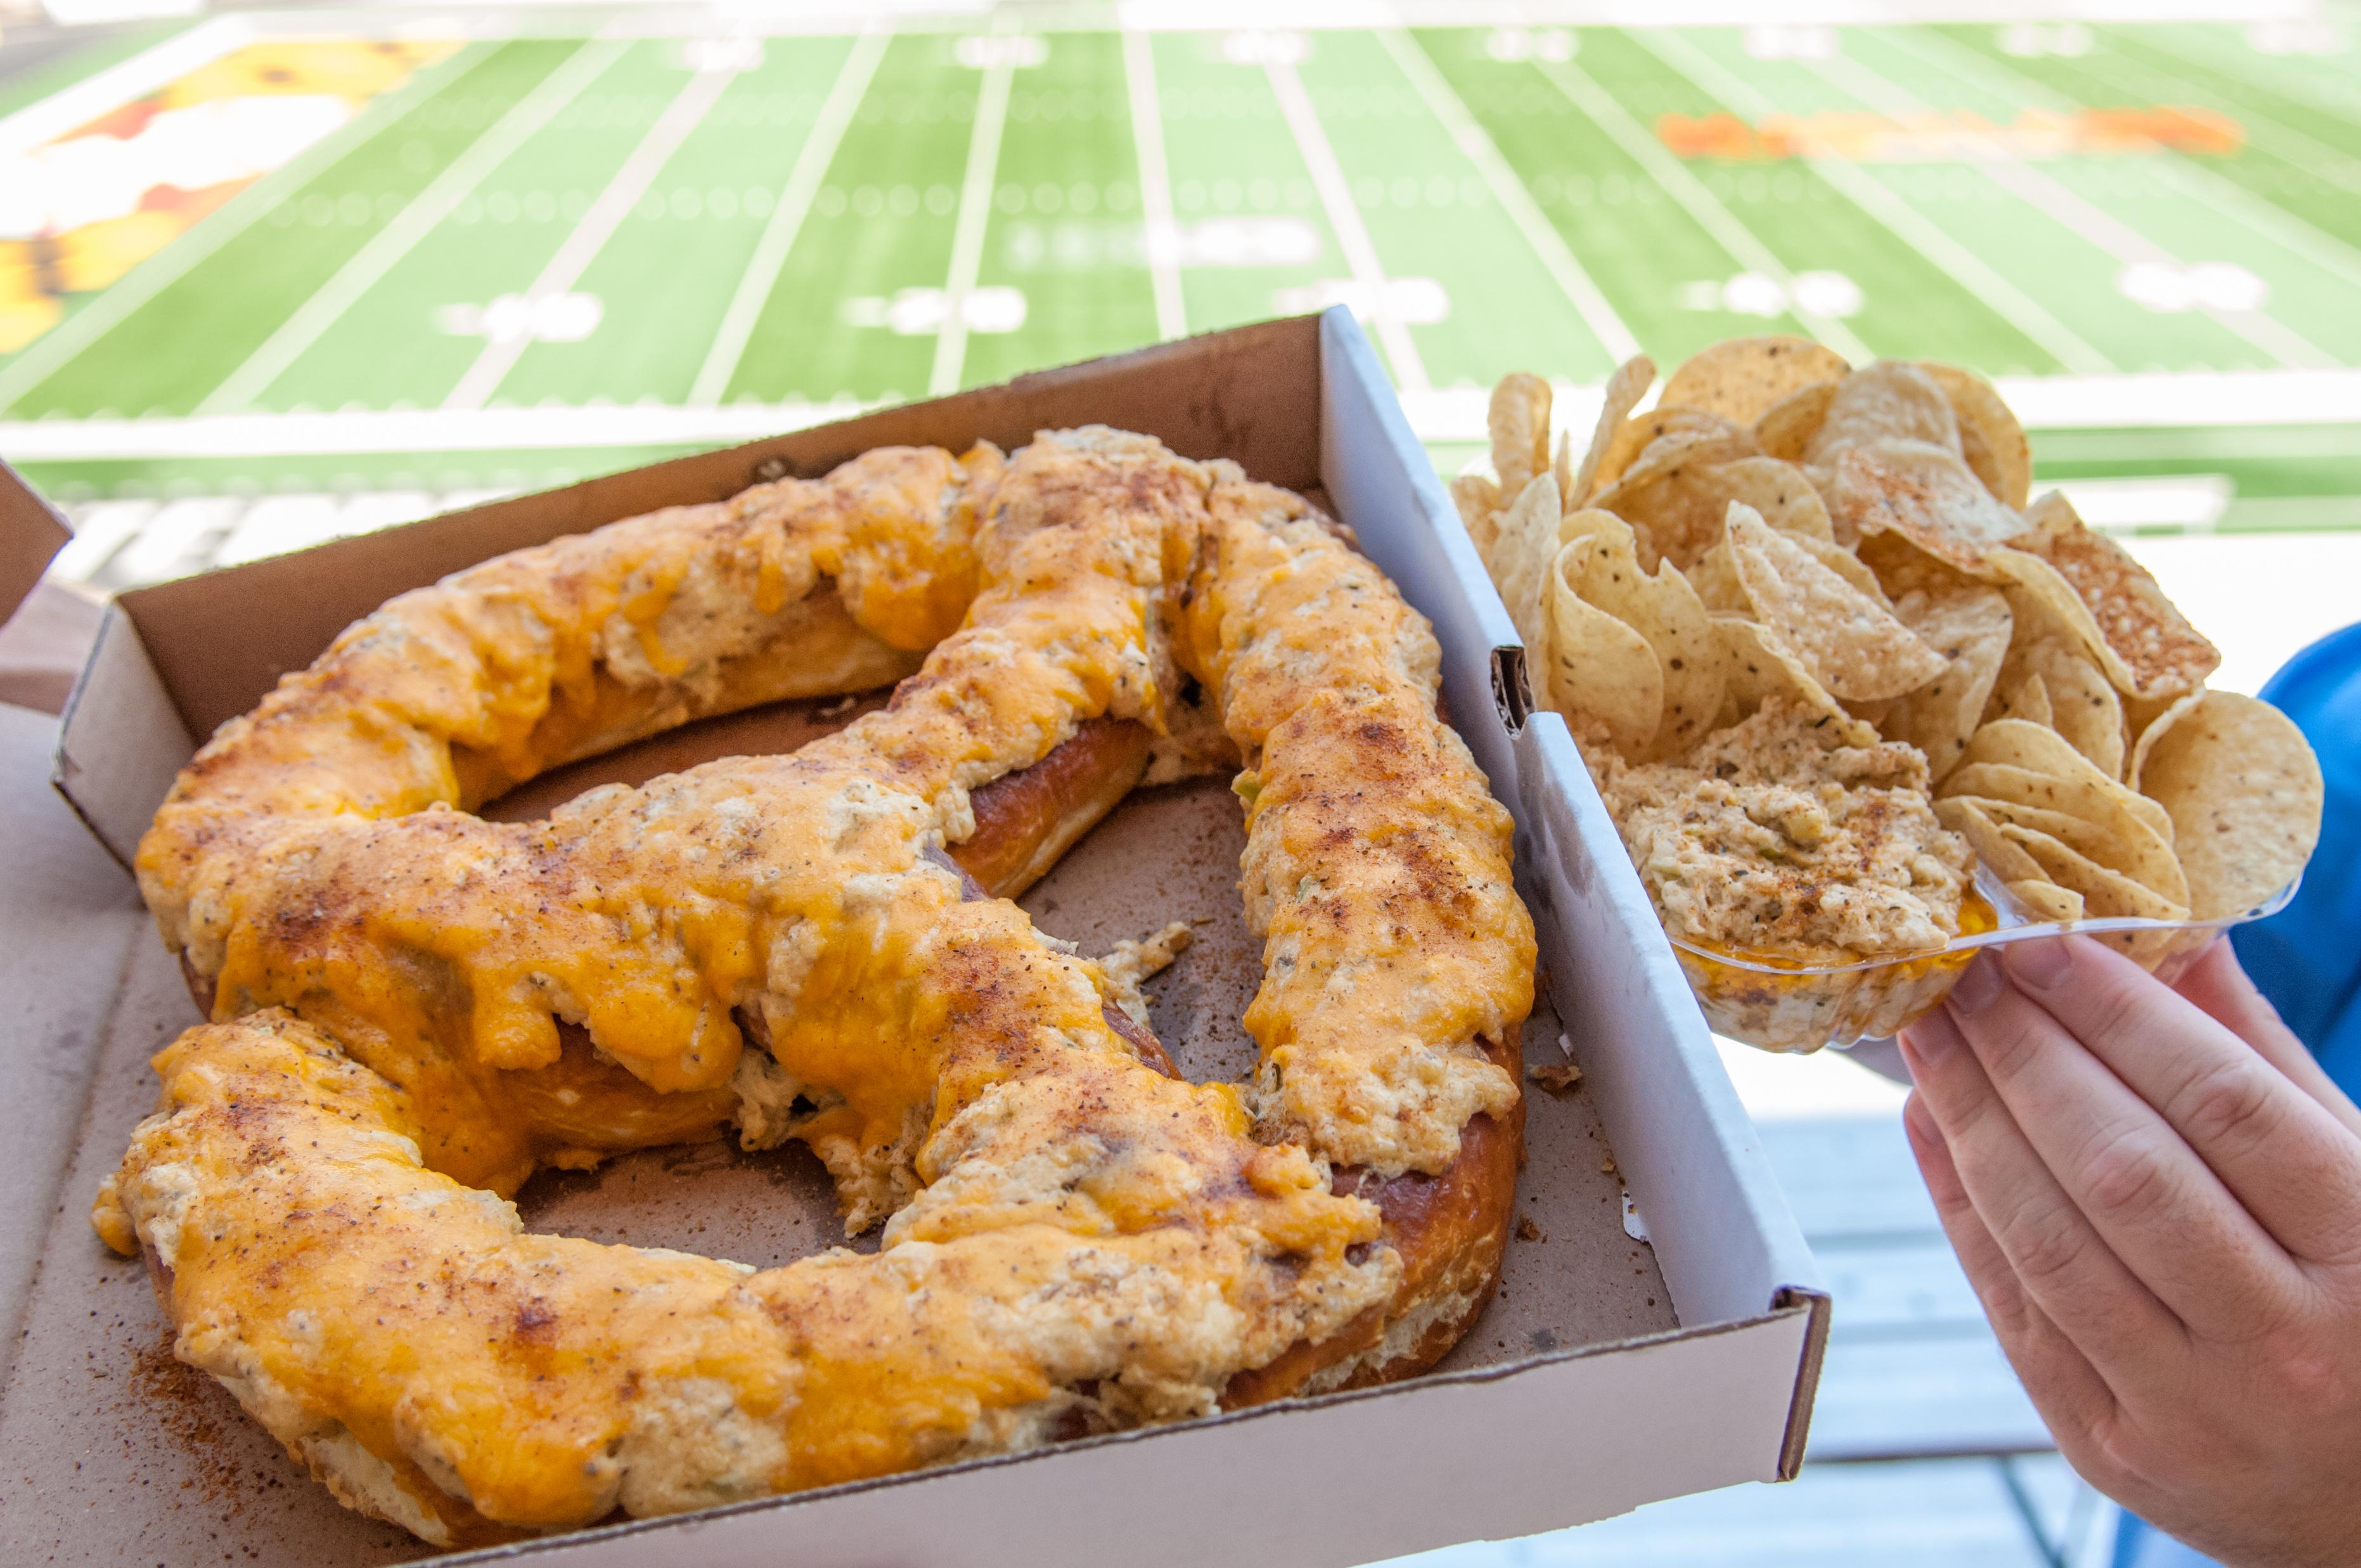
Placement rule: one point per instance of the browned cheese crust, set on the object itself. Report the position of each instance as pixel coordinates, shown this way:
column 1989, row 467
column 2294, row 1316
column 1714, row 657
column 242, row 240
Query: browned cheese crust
column 416, row 1007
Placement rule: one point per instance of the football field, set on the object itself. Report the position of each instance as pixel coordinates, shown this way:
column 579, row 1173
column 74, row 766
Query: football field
column 524, row 260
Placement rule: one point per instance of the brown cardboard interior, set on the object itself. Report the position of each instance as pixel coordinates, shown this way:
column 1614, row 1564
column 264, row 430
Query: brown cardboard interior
column 96, row 1408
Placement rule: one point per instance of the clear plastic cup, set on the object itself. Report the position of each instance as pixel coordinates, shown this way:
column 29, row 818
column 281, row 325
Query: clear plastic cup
column 1783, row 1006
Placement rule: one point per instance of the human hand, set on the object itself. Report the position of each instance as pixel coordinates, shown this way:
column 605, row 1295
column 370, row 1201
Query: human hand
column 2157, row 1197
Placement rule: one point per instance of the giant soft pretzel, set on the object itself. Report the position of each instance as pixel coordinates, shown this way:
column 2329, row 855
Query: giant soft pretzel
column 415, row 1007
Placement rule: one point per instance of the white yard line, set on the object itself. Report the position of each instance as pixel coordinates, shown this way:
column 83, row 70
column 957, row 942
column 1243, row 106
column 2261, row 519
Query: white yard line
column 1907, row 222
column 262, row 434
column 1476, row 146
column 1700, row 203
column 2233, row 200
column 387, row 248
column 53, row 350
column 974, row 218
column 597, row 225
column 1344, row 220
column 2163, row 400
column 73, row 107
column 2046, row 194
column 1155, row 187
column 786, row 220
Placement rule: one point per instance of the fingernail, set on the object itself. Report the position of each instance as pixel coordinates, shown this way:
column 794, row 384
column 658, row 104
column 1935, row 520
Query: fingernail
column 1978, row 987
column 2040, row 965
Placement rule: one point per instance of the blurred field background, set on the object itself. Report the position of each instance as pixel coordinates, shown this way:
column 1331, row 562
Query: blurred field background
column 270, row 277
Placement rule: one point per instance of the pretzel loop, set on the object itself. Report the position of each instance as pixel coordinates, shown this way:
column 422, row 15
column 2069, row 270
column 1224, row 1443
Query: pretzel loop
column 415, row 1007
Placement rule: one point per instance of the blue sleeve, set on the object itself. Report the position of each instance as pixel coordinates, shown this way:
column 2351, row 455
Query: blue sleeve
column 2306, row 958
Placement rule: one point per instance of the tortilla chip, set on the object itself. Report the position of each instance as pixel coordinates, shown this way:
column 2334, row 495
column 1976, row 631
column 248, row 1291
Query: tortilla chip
column 1582, row 524
column 2047, row 607
column 2083, row 706
column 2245, row 793
column 1849, row 641
column 2089, row 796
column 1844, row 563
column 1761, row 666
column 1780, row 492
column 2005, row 858
column 1969, row 627
column 1676, row 492
column 1890, row 400
column 1519, row 421
column 1665, row 610
column 1520, row 562
column 2105, row 893
column 2034, row 746
column 1715, row 578
column 1599, row 667
column 2029, row 701
column 1478, row 500
column 1924, row 493
column 1642, row 431
column 1624, row 390
column 1991, row 439
column 1786, row 428
column 2045, row 902
column 2061, row 777
column 2124, row 845
column 1740, row 377
column 2148, row 727
column 1561, row 465
column 1873, row 714
column 2164, row 654
column 1901, row 567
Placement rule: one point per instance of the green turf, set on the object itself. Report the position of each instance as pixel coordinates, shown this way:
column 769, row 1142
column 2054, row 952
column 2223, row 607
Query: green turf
column 2138, row 192
column 1910, row 307
column 2047, row 258
column 1429, row 214
column 1065, row 219
column 666, row 276
column 1637, row 244
column 181, row 343
column 2191, row 206
column 1231, row 158
column 2297, row 157
column 2331, row 84
column 871, row 231
column 496, row 243
column 1890, row 229
column 1066, row 201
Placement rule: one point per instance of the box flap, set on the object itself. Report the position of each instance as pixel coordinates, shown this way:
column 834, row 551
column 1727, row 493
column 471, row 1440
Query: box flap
column 1374, row 467
column 31, row 532
column 1423, row 1464
column 120, row 742
column 1736, row 1250
column 1687, row 1145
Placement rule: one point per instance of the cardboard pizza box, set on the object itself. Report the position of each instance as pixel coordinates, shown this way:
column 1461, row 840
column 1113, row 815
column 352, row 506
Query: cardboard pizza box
column 1660, row 1322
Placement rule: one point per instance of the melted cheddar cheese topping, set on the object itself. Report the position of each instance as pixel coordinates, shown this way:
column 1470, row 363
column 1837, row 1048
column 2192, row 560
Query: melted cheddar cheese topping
column 1073, row 1237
